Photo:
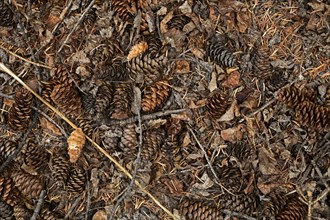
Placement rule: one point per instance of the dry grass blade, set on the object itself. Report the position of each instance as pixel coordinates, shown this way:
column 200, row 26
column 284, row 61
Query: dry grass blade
column 8, row 71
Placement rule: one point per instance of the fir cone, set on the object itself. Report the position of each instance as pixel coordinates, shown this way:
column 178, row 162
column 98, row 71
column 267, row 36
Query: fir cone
column 113, row 71
column 60, row 168
column 21, row 212
column 292, row 96
column 312, row 115
column 147, row 68
column 152, row 142
column 327, row 98
column 173, row 126
column 7, row 148
column 45, row 214
column 6, row 211
column 67, row 99
column 293, row 210
column 86, row 125
column 241, row 203
column 106, row 52
column 20, row 113
column 230, row 177
column 178, row 22
column 192, row 209
column 35, row 156
column 90, row 18
column 76, row 181
column 219, row 54
column 6, row 15
column 30, row 186
column 123, row 8
column 263, row 69
column 155, row 45
column 217, row 104
column 129, row 142
column 122, row 100
column 103, row 98
column 154, row 96
column 47, row 88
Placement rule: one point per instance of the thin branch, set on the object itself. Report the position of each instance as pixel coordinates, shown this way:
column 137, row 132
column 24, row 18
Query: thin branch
column 74, row 205
column 76, row 25
column 237, row 214
column 39, row 205
column 88, row 202
column 143, row 118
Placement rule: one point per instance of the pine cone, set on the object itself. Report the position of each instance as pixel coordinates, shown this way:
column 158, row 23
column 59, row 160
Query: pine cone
column 76, row 142
column 6, row 211
column 292, row 96
column 45, row 214
column 90, row 18
column 103, row 97
column 242, row 203
column 7, row 148
column 178, row 21
column 86, row 125
column 153, row 5
column 47, row 88
column 219, row 54
column 274, row 203
column 241, row 151
column 21, row 212
column 114, row 70
column 230, row 177
column 173, row 126
column 129, row 142
column 20, row 112
column 67, row 99
column 200, row 210
column 293, row 210
column 312, row 115
column 105, row 53
column 60, row 167
column 76, row 181
column 155, row 45
column 123, row 8
column 263, row 68
column 327, row 98
column 155, row 96
column 217, row 104
column 147, row 68
column 152, row 142
column 35, row 156
column 30, row 186
column 122, row 100
column 7, row 192
column 6, row 15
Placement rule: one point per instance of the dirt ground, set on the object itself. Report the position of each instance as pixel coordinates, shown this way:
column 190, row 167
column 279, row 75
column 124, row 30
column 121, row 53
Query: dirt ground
column 160, row 109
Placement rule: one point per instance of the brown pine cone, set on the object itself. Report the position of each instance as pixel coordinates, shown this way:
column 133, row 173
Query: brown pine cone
column 103, row 97
column 86, row 125
column 219, row 54
column 292, row 96
column 21, row 212
column 20, row 113
column 230, row 177
column 217, row 104
column 178, row 21
column 45, row 214
column 8, row 193
column 242, row 203
column 129, row 142
column 76, row 181
column 6, row 15
column 35, row 156
column 123, row 8
column 192, row 209
column 6, row 211
column 293, row 210
column 47, row 88
column 263, row 68
column 7, row 148
column 152, row 142
column 327, row 98
column 173, row 126
column 60, row 168
column 312, row 115
column 154, row 96
column 90, row 18
column 146, row 68
column 274, row 202
column 122, row 99
column 30, row 186
column 154, row 45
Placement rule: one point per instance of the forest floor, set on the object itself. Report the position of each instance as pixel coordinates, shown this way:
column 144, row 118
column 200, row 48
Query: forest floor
column 159, row 109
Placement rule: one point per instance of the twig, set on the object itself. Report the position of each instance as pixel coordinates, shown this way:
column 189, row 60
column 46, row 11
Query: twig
column 237, row 214
column 6, row 96
column 76, row 25
column 20, row 144
column 104, row 152
column 39, row 205
column 259, row 109
column 88, row 202
column 63, row 13
column 51, row 120
column 143, row 118
column 24, row 59
column 208, row 161
column 72, row 207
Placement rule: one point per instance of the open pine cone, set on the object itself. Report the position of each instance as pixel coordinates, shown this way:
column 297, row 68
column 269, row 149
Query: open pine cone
column 192, row 209
column 217, row 104
column 155, row 95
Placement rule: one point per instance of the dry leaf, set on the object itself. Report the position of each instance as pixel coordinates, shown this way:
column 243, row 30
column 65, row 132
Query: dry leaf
column 231, row 113
column 76, row 142
column 174, row 185
column 185, row 8
column 233, row 80
column 137, row 50
column 213, row 82
column 207, row 182
column 267, row 162
column 100, row 215
column 46, row 125
column 233, row 134
column 182, row 66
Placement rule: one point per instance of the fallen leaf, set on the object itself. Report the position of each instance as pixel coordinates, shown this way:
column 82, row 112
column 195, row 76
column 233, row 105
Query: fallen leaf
column 213, row 82
column 231, row 113
column 267, row 162
column 100, row 215
column 233, row 80
column 182, row 66
column 46, row 125
column 233, row 134
column 206, row 182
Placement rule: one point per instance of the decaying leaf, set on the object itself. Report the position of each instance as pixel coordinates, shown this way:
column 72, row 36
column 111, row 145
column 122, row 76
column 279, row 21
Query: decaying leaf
column 76, row 142
column 267, row 162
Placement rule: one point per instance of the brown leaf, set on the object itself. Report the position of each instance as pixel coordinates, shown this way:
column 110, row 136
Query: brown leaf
column 46, row 125
column 233, row 80
column 267, row 162
column 233, row 134
column 100, row 215
column 174, row 185
column 182, row 66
